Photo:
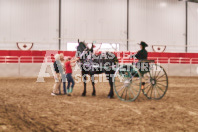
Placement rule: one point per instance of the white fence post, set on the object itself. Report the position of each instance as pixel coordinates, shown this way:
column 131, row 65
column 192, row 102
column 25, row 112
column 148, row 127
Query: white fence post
column 19, row 66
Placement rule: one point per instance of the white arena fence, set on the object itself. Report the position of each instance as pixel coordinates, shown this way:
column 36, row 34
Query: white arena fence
column 30, row 66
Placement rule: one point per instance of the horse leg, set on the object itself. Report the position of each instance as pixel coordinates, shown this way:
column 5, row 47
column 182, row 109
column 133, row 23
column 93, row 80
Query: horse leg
column 84, row 80
column 93, row 84
column 111, row 92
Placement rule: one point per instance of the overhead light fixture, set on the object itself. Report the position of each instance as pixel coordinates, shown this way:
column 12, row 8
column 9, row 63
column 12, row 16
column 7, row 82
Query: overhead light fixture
column 196, row 1
column 163, row 4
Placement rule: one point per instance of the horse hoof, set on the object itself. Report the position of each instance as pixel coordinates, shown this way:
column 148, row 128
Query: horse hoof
column 83, row 94
column 110, row 97
column 93, row 94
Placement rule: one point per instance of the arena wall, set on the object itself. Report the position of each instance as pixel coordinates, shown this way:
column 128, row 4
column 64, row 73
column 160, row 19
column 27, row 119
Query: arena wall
column 29, row 63
column 32, row 70
column 158, row 22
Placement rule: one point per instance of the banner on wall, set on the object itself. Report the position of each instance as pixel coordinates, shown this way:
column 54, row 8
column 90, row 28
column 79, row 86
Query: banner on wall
column 158, row 48
column 25, row 45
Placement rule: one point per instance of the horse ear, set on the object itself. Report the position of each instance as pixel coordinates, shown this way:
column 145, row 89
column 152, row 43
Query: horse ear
column 91, row 48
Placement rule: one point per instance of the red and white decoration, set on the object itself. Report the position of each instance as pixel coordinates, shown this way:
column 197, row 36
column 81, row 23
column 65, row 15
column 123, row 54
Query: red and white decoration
column 24, row 45
column 159, row 48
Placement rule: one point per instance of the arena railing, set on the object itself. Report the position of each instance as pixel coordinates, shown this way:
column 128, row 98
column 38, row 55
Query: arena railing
column 9, row 59
column 31, row 59
column 41, row 59
column 156, row 59
column 177, row 60
column 194, row 61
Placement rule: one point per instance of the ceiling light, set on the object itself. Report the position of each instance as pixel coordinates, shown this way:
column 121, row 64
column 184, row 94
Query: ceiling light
column 163, row 4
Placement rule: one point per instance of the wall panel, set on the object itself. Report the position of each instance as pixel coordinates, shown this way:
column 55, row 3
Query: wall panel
column 193, row 27
column 29, row 21
column 158, row 22
column 100, row 20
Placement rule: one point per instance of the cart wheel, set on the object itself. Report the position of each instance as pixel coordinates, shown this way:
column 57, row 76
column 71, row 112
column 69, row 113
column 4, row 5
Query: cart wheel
column 155, row 82
column 127, row 83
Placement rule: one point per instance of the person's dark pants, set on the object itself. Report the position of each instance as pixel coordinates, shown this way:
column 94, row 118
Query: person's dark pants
column 64, row 84
column 70, row 80
column 64, row 87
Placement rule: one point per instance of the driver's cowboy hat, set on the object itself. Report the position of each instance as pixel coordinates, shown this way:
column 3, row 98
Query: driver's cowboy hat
column 143, row 44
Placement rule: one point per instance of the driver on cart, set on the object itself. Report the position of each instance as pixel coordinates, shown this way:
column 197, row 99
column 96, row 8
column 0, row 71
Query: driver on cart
column 141, row 55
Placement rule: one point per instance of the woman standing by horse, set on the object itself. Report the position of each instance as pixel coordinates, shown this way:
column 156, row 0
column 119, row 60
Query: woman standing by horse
column 68, row 66
column 63, row 75
column 57, row 72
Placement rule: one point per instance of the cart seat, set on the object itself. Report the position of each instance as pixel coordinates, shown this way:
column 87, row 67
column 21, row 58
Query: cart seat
column 144, row 66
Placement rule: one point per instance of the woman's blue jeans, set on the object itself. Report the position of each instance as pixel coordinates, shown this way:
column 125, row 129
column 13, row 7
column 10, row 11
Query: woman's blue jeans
column 70, row 80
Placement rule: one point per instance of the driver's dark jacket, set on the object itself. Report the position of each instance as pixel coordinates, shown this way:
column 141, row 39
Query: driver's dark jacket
column 142, row 55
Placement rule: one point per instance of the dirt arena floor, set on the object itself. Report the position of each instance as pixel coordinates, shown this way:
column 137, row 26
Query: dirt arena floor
column 26, row 105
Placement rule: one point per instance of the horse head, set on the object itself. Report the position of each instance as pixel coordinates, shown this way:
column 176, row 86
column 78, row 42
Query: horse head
column 83, row 50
